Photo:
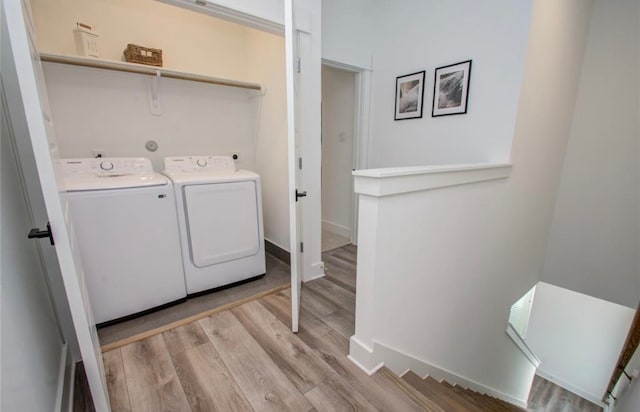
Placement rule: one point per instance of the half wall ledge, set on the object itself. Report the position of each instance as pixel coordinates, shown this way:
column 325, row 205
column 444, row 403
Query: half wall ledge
column 397, row 180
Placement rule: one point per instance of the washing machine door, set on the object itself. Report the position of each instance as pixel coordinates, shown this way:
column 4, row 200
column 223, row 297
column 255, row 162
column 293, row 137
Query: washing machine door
column 222, row 221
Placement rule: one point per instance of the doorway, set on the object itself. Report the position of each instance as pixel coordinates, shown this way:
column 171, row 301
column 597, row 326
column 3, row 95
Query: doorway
column 339, row 91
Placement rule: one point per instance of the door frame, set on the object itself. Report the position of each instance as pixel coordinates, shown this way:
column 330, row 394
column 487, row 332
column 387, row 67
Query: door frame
column 361, row 130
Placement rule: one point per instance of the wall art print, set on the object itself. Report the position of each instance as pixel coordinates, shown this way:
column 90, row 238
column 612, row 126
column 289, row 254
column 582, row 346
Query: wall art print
column 409, row 96
column 451, row 89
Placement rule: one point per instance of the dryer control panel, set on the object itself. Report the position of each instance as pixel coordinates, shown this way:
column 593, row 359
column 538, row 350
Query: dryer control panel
column 195, row 164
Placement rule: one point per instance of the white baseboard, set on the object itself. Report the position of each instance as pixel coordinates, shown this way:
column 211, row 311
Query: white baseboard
column 321, row 275
column 571, row 388
column 61, row 378
column 363, row 356
column 317, row 271
column 70, row 386
column 337, row 229
column 400, row 363
column 66, row 380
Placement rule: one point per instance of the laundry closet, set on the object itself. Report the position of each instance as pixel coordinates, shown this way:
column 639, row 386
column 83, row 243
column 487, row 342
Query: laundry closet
column 220, row 92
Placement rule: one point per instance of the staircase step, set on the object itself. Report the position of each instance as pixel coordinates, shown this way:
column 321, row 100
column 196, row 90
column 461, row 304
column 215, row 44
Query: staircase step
column 455, row 398
column 471, row 396
column 455, row 393
column 428, row 404
column 435, row 391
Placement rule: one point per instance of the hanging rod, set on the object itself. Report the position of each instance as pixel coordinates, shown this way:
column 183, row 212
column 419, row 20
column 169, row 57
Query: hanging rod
column 142, row 69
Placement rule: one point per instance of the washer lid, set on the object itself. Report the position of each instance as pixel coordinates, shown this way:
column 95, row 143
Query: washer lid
column 84, row 182
column 107, row 173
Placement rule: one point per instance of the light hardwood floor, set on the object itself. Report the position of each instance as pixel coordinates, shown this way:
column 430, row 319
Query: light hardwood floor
column 247, row 359
column 331, row 240
column 277, row 274
column 546, row 396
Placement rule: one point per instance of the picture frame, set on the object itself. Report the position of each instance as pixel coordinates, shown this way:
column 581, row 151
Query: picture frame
column 409, row 96
column 451, row 89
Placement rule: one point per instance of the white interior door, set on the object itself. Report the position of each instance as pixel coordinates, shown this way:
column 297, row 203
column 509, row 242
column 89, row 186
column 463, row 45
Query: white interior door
column 30, row 117
column 295, row 206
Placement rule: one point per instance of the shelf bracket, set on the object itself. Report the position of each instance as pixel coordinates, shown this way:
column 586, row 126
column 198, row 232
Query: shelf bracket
column 154, row 95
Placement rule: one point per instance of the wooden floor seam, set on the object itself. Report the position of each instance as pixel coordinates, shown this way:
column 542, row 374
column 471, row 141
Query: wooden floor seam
column 190, row 319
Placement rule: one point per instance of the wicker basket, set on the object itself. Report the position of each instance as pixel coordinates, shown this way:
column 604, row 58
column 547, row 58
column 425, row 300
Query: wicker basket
column 143, row 55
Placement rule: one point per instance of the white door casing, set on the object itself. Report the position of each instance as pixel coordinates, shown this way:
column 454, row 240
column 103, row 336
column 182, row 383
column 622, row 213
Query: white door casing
column 28, row 108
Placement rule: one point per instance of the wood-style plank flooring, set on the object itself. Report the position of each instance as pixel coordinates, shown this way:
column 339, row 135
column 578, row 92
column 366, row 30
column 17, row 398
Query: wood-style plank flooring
column 546, row 396
column 247, row 359
column 277, row 274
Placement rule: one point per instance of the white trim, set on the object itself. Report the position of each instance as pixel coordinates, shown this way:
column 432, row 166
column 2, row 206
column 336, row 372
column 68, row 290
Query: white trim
column 522, row 345
column 391, row 181
column 231, row 14
column 314, row 278
column 316, row 271
column 337, row 229
column 362, row 139
column 342, row 66
column 362, row 128
column 69, row 384
column 62, row 367
column 365, row 370
column 363, row 356
column 571, row 388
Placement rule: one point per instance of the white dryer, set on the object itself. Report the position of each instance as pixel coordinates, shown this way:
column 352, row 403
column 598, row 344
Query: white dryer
column 126, row 226
column 220, row 219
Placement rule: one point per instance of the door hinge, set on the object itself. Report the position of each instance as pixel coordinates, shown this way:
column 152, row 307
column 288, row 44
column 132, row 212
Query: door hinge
column 300, row 163
column 299, row 65
column 301, row 247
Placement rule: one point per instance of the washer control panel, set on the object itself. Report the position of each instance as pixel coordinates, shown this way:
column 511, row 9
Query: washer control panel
column 105, row 166
column 195, row 164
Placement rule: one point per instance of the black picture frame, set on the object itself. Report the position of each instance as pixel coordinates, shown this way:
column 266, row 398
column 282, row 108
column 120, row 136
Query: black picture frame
column 451, row 89
column 409, row 96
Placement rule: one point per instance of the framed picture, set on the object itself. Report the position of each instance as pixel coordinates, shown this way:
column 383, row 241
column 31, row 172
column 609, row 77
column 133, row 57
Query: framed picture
column 451, row 89
column 409, row 96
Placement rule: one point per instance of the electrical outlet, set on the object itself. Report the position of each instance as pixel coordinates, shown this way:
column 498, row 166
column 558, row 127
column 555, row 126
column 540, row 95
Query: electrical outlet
column 99, row 153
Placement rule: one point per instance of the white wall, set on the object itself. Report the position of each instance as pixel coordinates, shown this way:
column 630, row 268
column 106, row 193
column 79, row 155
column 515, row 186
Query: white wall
column 460, row 256
column 578, row 338
column 338, row 115
column 411, row 36
column 348, row 32
column 98, row 109
column 189, row 41
column 31, row 344
column 267, row 66
column 593, row 246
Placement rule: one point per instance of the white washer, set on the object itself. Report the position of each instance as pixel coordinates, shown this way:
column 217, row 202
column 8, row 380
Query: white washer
column 220, row 219
column 126, row 227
